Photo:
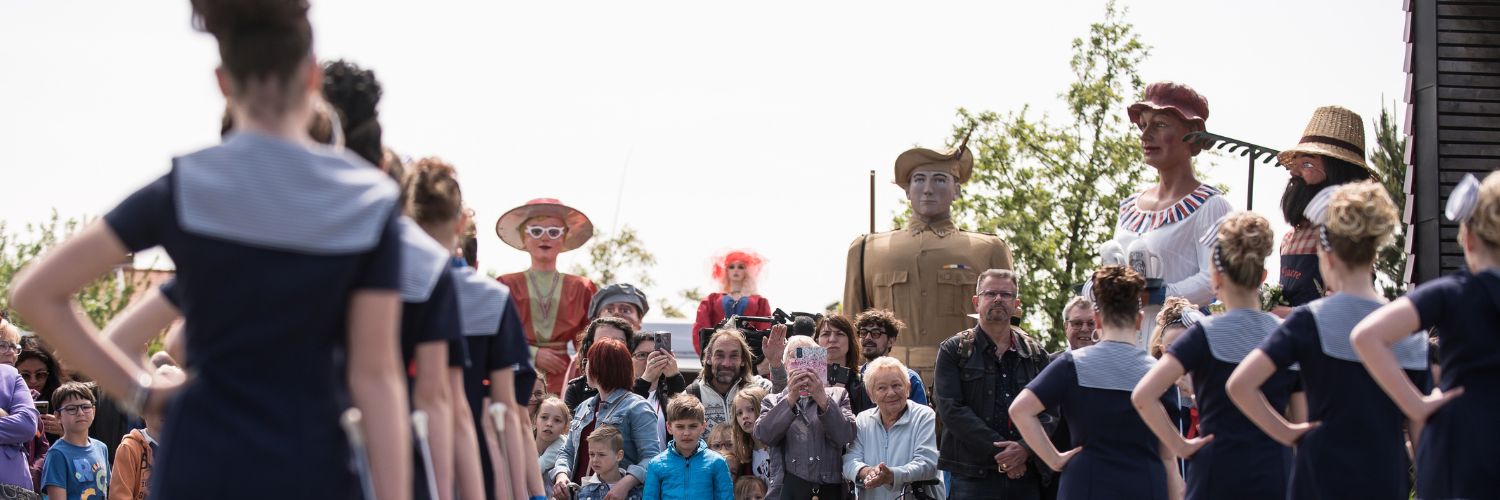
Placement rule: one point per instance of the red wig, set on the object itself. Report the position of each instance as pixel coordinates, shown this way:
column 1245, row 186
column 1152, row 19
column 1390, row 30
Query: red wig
column 609, row 365
column 752, row 262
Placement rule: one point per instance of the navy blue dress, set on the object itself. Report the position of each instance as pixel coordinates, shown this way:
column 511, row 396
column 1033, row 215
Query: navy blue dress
column 1120, row 458
column 429, row 313
column 1459, row 453
column 266, row 310
column 1359, row 450
column 1241, row 461
column 496, row 341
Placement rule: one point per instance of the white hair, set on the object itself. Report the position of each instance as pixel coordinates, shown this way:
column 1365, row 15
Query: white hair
column 793, row 343
column 886, row 363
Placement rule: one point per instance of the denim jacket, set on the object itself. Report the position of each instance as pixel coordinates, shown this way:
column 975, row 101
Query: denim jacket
column 594, row 489
column 629, row 413
column 973, row 412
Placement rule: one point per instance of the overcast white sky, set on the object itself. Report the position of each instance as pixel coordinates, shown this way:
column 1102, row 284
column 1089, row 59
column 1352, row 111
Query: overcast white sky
column 729, row 124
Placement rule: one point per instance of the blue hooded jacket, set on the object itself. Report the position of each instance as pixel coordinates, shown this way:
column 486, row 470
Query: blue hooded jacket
column 703, row 476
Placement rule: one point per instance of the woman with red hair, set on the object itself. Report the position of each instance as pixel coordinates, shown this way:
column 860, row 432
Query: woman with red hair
column 736, row 274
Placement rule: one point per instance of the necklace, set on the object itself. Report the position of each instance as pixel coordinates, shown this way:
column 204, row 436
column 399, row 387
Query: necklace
column 546, row 302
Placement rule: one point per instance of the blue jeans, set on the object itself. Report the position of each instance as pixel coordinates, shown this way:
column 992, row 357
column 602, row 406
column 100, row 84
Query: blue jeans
column 997, row 486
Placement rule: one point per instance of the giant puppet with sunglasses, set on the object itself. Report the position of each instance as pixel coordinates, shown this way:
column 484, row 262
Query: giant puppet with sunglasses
column 553, row 305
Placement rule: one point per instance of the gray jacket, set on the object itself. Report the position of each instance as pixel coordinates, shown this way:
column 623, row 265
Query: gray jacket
column 808, row 443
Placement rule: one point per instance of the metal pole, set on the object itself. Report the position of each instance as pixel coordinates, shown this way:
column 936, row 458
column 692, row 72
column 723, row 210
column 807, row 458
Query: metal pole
column 872, row 202
column 1250, row 185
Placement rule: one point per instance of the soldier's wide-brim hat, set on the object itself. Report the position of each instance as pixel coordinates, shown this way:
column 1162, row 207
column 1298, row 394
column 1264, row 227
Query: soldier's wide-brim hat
column 1333, row 131
column 958, row 163
column 579, row 227
column 1178, row 98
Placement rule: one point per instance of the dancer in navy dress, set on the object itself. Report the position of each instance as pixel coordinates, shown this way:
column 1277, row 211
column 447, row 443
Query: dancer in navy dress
column 1353, row 447
column 1231, row 458
column 287, row 254
column 1115, row 454
column 499, row 363
column 1456, row 455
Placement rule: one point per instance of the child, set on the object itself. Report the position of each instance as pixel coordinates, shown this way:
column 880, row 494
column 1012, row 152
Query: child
column 552, row 417
column 749, row 488
column 606, row 449
column 746, row 413
column 137, row 451
column 721, row 440
column 687, row 469
column 77, row 466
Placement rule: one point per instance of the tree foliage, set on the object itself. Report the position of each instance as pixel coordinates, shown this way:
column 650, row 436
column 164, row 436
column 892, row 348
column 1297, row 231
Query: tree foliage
column 623, row 258
column 1389, row 157
column 1052, row 187
column 100, row 300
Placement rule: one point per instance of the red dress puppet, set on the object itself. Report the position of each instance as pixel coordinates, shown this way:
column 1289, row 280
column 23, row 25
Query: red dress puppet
column 736, row 273
column 553, row 305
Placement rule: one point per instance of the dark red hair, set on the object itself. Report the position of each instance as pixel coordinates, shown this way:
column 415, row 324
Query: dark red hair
column 609, row 365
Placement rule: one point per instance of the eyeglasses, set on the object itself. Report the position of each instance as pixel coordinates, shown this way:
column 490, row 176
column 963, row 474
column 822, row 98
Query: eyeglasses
column 76, row 409
column 1077, row 324
column 643, row 356
column 992, row 294
column 552, row 232
column 721, row 445
column 9, row 346
column 871, row 331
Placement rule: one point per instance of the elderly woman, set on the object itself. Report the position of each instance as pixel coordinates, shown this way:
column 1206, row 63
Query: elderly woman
column 609, row 371
column 809, row 433
column 896, row 443
column 18, row 416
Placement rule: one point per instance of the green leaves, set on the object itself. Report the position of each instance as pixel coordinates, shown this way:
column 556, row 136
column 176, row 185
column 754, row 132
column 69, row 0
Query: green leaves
column 101, row 300
column 1389, row 157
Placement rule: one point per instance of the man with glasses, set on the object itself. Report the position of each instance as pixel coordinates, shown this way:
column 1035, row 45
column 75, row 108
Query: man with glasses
column 1078, row 321
column 979, row 373
column 877, row 329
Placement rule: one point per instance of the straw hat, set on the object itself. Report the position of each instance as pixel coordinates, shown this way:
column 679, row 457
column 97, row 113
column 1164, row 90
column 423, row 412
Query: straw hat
column 1334, row 132
column 580, row 229
column 958, row 162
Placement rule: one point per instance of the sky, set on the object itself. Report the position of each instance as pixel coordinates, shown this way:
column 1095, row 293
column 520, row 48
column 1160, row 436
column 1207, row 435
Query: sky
column 705, row 126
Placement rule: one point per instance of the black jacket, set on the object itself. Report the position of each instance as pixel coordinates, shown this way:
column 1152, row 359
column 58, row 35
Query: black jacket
column 578, row 390
column 967, row 375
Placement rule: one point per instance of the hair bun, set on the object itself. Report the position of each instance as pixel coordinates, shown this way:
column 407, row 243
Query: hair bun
column 432, row 192
column 1361, row 220
column 1245, row 241
column 238, row 18
column 1117, row 293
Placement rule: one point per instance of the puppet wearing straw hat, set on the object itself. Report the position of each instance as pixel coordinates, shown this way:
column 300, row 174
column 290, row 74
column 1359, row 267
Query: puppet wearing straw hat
column 553, row 305
column 925, row 272
column 1331, row 152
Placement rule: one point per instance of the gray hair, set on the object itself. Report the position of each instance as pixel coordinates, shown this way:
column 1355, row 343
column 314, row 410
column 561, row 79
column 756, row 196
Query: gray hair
column 1076, row 302
column 885, row 363
column 1015, row 279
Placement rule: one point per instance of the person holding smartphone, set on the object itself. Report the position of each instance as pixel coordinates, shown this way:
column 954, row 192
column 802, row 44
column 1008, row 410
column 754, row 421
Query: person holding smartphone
column 656, row 375
column 806, row 419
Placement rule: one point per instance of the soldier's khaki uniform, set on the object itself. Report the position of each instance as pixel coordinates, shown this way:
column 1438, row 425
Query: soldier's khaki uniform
column 926, row 276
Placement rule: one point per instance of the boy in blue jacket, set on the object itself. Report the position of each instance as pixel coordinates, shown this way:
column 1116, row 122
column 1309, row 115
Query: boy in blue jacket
column 687, row 469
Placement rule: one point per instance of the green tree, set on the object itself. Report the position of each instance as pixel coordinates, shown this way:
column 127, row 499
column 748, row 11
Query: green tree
column 101, row 299
column 1389, row 157
column 1052, row 188
column 623, row 257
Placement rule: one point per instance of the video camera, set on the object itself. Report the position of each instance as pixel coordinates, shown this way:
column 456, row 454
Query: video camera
column 801, row 324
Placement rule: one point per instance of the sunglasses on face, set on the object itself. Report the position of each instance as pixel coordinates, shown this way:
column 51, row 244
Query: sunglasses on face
column 551, row 232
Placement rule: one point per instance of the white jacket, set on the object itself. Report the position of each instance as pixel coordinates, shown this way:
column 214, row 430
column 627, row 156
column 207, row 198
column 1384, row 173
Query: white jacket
column 908, row 448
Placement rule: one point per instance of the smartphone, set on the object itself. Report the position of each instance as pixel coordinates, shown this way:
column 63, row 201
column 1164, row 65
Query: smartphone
column 663, row 341
column 838, row 375
column 814, row 359
column 43, row 407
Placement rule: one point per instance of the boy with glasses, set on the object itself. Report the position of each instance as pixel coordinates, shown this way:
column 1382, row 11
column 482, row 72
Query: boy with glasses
column 77, row 465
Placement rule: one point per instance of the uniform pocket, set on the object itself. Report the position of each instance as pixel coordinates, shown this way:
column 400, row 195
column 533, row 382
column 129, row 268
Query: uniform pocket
column 955, row 287
column 889, row 286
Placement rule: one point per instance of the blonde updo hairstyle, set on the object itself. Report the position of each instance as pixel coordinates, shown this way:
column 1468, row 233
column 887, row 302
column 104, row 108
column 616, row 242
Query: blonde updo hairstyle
column 1245, row 241
column 1485, row 222
column 1117, row 295
column 1171, row 313
column 1362, row 220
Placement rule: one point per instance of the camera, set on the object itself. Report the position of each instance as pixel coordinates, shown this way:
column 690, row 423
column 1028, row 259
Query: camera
column 801, row 324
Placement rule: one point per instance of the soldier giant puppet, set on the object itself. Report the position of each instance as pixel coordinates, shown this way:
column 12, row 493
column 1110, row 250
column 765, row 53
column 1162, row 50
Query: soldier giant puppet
column 925, row 272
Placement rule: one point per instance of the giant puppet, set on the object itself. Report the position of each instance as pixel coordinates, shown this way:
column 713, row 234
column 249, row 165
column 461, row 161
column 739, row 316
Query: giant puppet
column 924, row 272
column 553, row 305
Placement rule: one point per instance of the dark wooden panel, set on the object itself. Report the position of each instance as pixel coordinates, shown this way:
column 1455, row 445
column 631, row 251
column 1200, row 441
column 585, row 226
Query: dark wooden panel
column 1468, row 67
column 1451, row 263
column 1472, row 122
column 1471, row 107
column 1483, row 136
column 1485, row 81
column 1485, row 53
column 1451, row 247
column 1480, row 150
column 1450, row 178
column 1468, row 94
column 1455, row 38
column 1449, row 233
column 1470, row 164
column 1467, row 10
column 1475, row 25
